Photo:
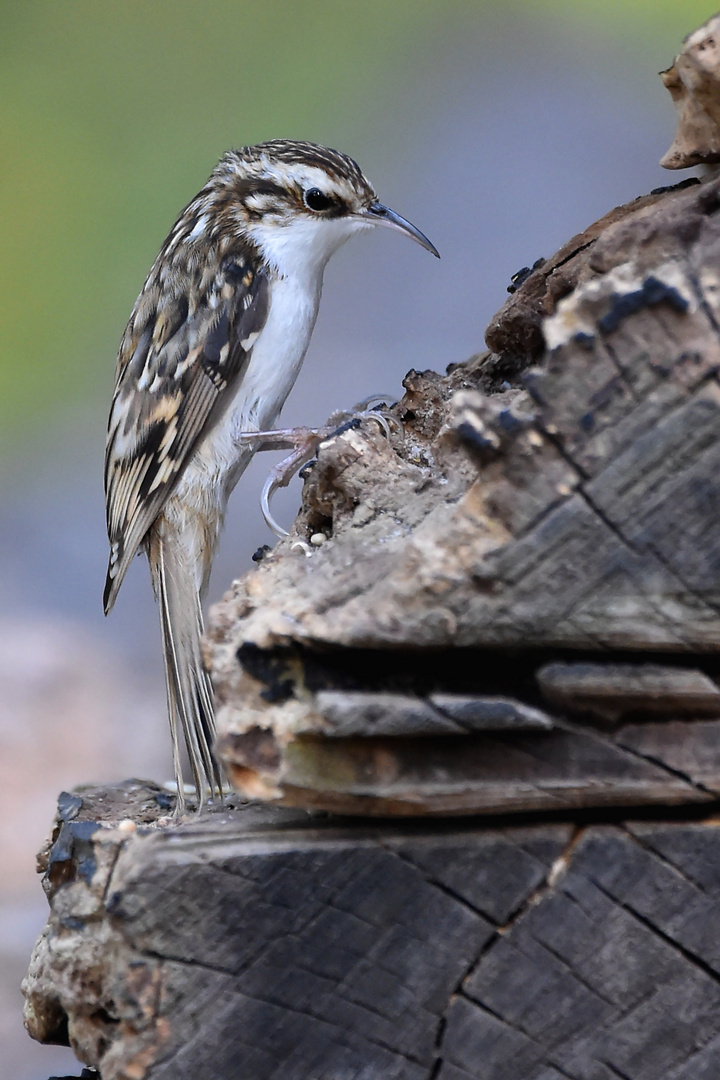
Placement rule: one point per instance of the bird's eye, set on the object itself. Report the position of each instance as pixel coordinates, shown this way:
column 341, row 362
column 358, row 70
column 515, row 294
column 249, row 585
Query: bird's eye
column 315, row 200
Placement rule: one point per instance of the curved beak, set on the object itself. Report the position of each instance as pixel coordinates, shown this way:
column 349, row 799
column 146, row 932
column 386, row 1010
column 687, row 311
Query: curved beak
column 377, row 214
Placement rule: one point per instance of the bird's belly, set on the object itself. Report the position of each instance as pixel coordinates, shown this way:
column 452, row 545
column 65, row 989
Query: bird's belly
column 273, row 367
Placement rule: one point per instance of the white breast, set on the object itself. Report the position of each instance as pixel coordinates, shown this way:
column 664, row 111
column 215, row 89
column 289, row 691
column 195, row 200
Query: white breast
column 296, row 255
column 277, row 355
column 274, row 365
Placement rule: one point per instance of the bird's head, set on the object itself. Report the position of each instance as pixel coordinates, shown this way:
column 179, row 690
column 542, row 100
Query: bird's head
column 298, row 202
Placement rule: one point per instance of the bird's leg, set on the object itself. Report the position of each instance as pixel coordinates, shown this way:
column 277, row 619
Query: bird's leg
column 304, row 443
column 284, row 438
column 294, row 438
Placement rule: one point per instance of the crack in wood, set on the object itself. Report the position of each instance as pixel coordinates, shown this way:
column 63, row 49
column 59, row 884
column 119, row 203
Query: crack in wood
column 608, row 522
column 113, row 864
column 573, row 254
column 535, row 896
column 555, row 439
column 577, row 977
column 189, row 961
column 653, row 851
column 702, row 299
column 622, row 373
column 439, row 1060
column 615, row 1071
column 560, row 865
column 546, row 1051
column 687, row 954
column 437, row 884
column 321, row 1019
column 702, row 597
column 670, row 770
column 625, row 541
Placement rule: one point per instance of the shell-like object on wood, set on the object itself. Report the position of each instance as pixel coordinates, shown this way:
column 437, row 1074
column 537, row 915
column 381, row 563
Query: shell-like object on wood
column 694, row 85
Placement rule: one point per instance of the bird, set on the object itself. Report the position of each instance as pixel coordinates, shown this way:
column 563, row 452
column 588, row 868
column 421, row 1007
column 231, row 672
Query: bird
column 211, row 350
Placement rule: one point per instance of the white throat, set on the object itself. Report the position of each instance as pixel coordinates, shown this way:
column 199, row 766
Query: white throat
column 301, row 248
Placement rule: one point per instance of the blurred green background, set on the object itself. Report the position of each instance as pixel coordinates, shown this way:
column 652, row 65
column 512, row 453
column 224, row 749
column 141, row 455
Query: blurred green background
column 112, row 114
column 500, row 127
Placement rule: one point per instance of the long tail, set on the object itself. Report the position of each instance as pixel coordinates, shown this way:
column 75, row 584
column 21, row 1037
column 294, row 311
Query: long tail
column 189, row 691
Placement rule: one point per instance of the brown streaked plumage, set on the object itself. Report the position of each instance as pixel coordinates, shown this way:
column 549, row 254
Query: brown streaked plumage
column 212, row 348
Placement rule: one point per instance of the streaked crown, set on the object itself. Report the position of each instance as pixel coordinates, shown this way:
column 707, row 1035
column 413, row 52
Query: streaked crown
column 283, row 176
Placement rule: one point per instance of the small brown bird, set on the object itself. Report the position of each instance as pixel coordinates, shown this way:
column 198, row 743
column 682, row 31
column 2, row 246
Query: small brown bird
column 212, row 349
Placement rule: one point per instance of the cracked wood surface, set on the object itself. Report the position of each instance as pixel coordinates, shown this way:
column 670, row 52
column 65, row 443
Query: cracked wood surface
column 576, row 508
column 252, row 943
column 551, row 504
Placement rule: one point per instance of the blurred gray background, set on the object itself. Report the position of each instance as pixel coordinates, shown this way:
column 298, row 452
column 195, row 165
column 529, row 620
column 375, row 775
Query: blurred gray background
column 499, row 128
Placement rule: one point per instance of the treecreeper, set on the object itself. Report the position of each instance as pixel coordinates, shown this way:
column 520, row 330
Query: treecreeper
column 211, row 351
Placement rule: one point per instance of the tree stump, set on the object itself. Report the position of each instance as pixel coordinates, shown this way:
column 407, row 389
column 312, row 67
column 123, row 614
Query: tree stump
column 477, row 690
column 258, row 942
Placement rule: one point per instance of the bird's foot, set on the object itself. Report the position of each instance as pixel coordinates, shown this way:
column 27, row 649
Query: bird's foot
column 375, row 407
column 304, row 443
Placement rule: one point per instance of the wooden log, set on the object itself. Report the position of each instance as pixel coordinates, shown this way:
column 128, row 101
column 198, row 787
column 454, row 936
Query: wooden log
column 254, row 942
column 549, row 514
column 590, row 524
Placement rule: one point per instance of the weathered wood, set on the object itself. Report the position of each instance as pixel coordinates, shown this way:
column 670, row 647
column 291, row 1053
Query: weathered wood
column 560, row 497
column 483, row 774
column 610, row 691
column 625, row 982
column 475, row 712
column 577, row 531
column 253, row 943
column 367, row 712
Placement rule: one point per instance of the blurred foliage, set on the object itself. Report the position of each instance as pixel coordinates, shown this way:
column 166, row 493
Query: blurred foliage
column 112, row 113
column 618, row 18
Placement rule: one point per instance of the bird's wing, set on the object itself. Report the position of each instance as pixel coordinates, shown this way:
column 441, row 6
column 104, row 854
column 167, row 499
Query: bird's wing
column 179, row 361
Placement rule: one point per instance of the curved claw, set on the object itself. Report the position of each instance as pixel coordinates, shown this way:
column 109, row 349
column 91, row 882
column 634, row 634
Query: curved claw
column 381, row 420
column 281, row 475
column 397, row 424
column 385, row 420
column 372, row 399
column 269, row 488
column 393, row 421
column 305, row 442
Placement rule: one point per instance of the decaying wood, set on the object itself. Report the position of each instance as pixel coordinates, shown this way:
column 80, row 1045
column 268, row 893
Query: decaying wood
column 254, row 943
column 585, row 501
column 552, row 504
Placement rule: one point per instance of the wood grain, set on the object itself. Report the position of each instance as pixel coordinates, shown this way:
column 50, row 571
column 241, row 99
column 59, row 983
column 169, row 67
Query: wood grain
column 254, row 942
